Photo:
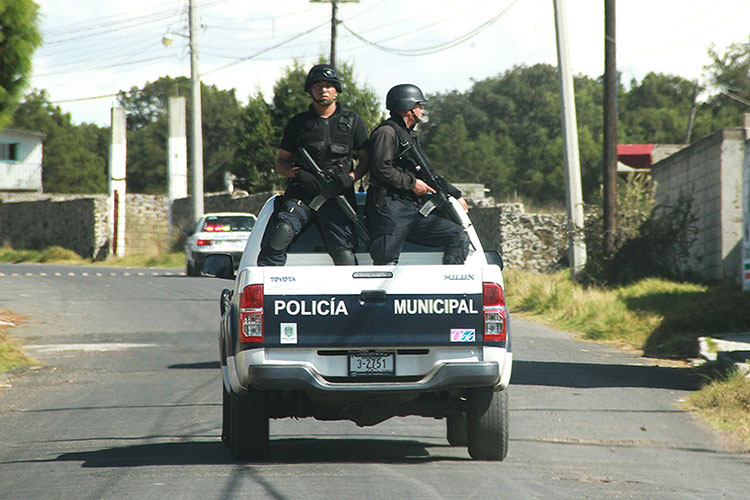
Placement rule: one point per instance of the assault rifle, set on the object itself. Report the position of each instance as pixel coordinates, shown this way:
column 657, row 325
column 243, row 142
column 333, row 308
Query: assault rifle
column 436, row 181
column 330, row 190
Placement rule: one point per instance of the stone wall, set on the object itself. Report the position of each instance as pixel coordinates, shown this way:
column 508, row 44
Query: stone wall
column 147, row 224
column 81, row 223
column 70, row 223
column 536, row 242
column 218, row 202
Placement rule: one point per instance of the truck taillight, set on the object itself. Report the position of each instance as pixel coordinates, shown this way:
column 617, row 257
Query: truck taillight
column 251, row 314
column 493, row 301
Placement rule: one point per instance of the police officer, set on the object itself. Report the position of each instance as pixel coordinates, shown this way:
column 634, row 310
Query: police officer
column 332, row 135
column 397, row 189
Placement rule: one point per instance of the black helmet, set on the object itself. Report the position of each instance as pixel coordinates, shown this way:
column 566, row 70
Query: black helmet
column 404, row 96
column 323, row 72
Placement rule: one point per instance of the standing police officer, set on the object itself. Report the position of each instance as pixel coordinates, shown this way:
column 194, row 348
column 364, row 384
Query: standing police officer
column 398, row 190
column 332, row 135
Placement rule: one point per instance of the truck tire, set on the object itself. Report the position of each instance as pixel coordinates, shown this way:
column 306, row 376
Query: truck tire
column 224, row 415
column 487, row 424
column 456, row 430
column 248, row 426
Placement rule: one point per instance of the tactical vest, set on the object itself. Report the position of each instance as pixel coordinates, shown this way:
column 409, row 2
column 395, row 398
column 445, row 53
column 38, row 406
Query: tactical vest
column 329, row 141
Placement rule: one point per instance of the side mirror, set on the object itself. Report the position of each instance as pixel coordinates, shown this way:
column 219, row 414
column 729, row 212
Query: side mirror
column 219, row 265
column 226, row 300
column 494, row 257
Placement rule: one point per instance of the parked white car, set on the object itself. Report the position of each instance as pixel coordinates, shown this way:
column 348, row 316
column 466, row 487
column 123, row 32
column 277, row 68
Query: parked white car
column 220, row 232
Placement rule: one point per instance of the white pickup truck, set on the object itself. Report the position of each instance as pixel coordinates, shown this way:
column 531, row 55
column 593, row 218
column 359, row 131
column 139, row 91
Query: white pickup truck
column 364, row 343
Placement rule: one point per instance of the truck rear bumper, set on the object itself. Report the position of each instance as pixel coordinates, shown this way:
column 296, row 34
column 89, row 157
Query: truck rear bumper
column 446, row 376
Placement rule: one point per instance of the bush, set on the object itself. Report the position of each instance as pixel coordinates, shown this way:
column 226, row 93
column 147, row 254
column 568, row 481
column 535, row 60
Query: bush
column 650, row 240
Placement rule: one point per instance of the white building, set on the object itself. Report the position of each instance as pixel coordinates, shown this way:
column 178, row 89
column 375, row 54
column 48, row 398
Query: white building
column 20, row 160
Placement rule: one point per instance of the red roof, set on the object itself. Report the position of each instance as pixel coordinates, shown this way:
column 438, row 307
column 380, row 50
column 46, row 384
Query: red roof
column 635, row 155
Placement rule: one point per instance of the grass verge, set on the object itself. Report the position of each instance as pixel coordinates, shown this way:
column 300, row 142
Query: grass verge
column 59, row 255
column 661, row 318
column 724, row 403
column 11, row 355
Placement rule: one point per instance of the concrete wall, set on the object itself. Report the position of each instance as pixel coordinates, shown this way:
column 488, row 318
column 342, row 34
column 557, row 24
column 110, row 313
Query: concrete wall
column 710, row 172
column 745, row 271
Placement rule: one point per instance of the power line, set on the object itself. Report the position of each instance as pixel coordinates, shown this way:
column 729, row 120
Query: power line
column 299, row 35
column 435, row 48
column 85, row 98
column 88, row 47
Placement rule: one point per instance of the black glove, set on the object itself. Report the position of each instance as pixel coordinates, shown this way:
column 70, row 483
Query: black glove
column 343, row 181
column 309, row 183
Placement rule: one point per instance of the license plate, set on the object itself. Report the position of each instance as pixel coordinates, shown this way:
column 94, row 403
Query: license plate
column 371, row 363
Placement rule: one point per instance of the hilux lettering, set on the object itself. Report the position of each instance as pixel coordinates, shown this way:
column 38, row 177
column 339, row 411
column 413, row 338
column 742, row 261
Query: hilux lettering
column 459, row 277
column 325, row 307
column 434, row 306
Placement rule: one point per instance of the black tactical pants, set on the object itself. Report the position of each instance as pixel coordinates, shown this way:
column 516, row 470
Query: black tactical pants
column 335, row 228
column 399, row 220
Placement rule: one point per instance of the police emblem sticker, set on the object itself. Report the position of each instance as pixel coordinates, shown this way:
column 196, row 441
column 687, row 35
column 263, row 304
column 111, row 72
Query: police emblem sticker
column 463, row 335
column 288, row 333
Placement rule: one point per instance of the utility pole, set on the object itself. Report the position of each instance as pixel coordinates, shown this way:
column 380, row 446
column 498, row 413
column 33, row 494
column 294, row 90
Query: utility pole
column 196, row 125
column 118, row 155
column 176, row 153
column 571, row 159
column 610, row 128
column 334, row 23
column 691, row 118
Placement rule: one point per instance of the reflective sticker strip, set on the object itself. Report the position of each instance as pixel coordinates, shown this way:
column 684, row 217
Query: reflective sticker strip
column 463, row 335
column 288, row 332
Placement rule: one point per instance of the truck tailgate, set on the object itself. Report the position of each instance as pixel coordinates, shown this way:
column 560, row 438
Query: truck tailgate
column 372, row 306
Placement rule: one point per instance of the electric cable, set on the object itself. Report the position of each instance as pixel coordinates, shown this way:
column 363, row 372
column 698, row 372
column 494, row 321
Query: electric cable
column 435, row 48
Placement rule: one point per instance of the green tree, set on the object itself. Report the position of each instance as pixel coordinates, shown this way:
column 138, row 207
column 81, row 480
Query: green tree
column 75, row 156
column 730, row 73
column 656, row 110
column 148, row 129
column 512, row 139
column 257, row 147
column 19, row 37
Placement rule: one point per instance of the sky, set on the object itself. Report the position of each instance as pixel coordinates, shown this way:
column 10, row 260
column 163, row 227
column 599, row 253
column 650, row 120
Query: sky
column 94, row 49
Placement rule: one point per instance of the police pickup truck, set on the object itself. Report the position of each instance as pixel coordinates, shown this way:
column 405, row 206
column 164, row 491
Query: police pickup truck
column 364, row 343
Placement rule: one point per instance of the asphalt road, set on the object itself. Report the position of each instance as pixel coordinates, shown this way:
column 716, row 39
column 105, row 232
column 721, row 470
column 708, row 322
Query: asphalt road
column 125, row 403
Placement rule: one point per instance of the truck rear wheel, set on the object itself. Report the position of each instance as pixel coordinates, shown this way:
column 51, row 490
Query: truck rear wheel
column 487, row 424
column 248, row 426
column 456, row 429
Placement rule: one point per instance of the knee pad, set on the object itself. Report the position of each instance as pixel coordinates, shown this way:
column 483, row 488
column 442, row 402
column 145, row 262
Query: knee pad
column 344, row 257
column 456, row 253
column 281, row 237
